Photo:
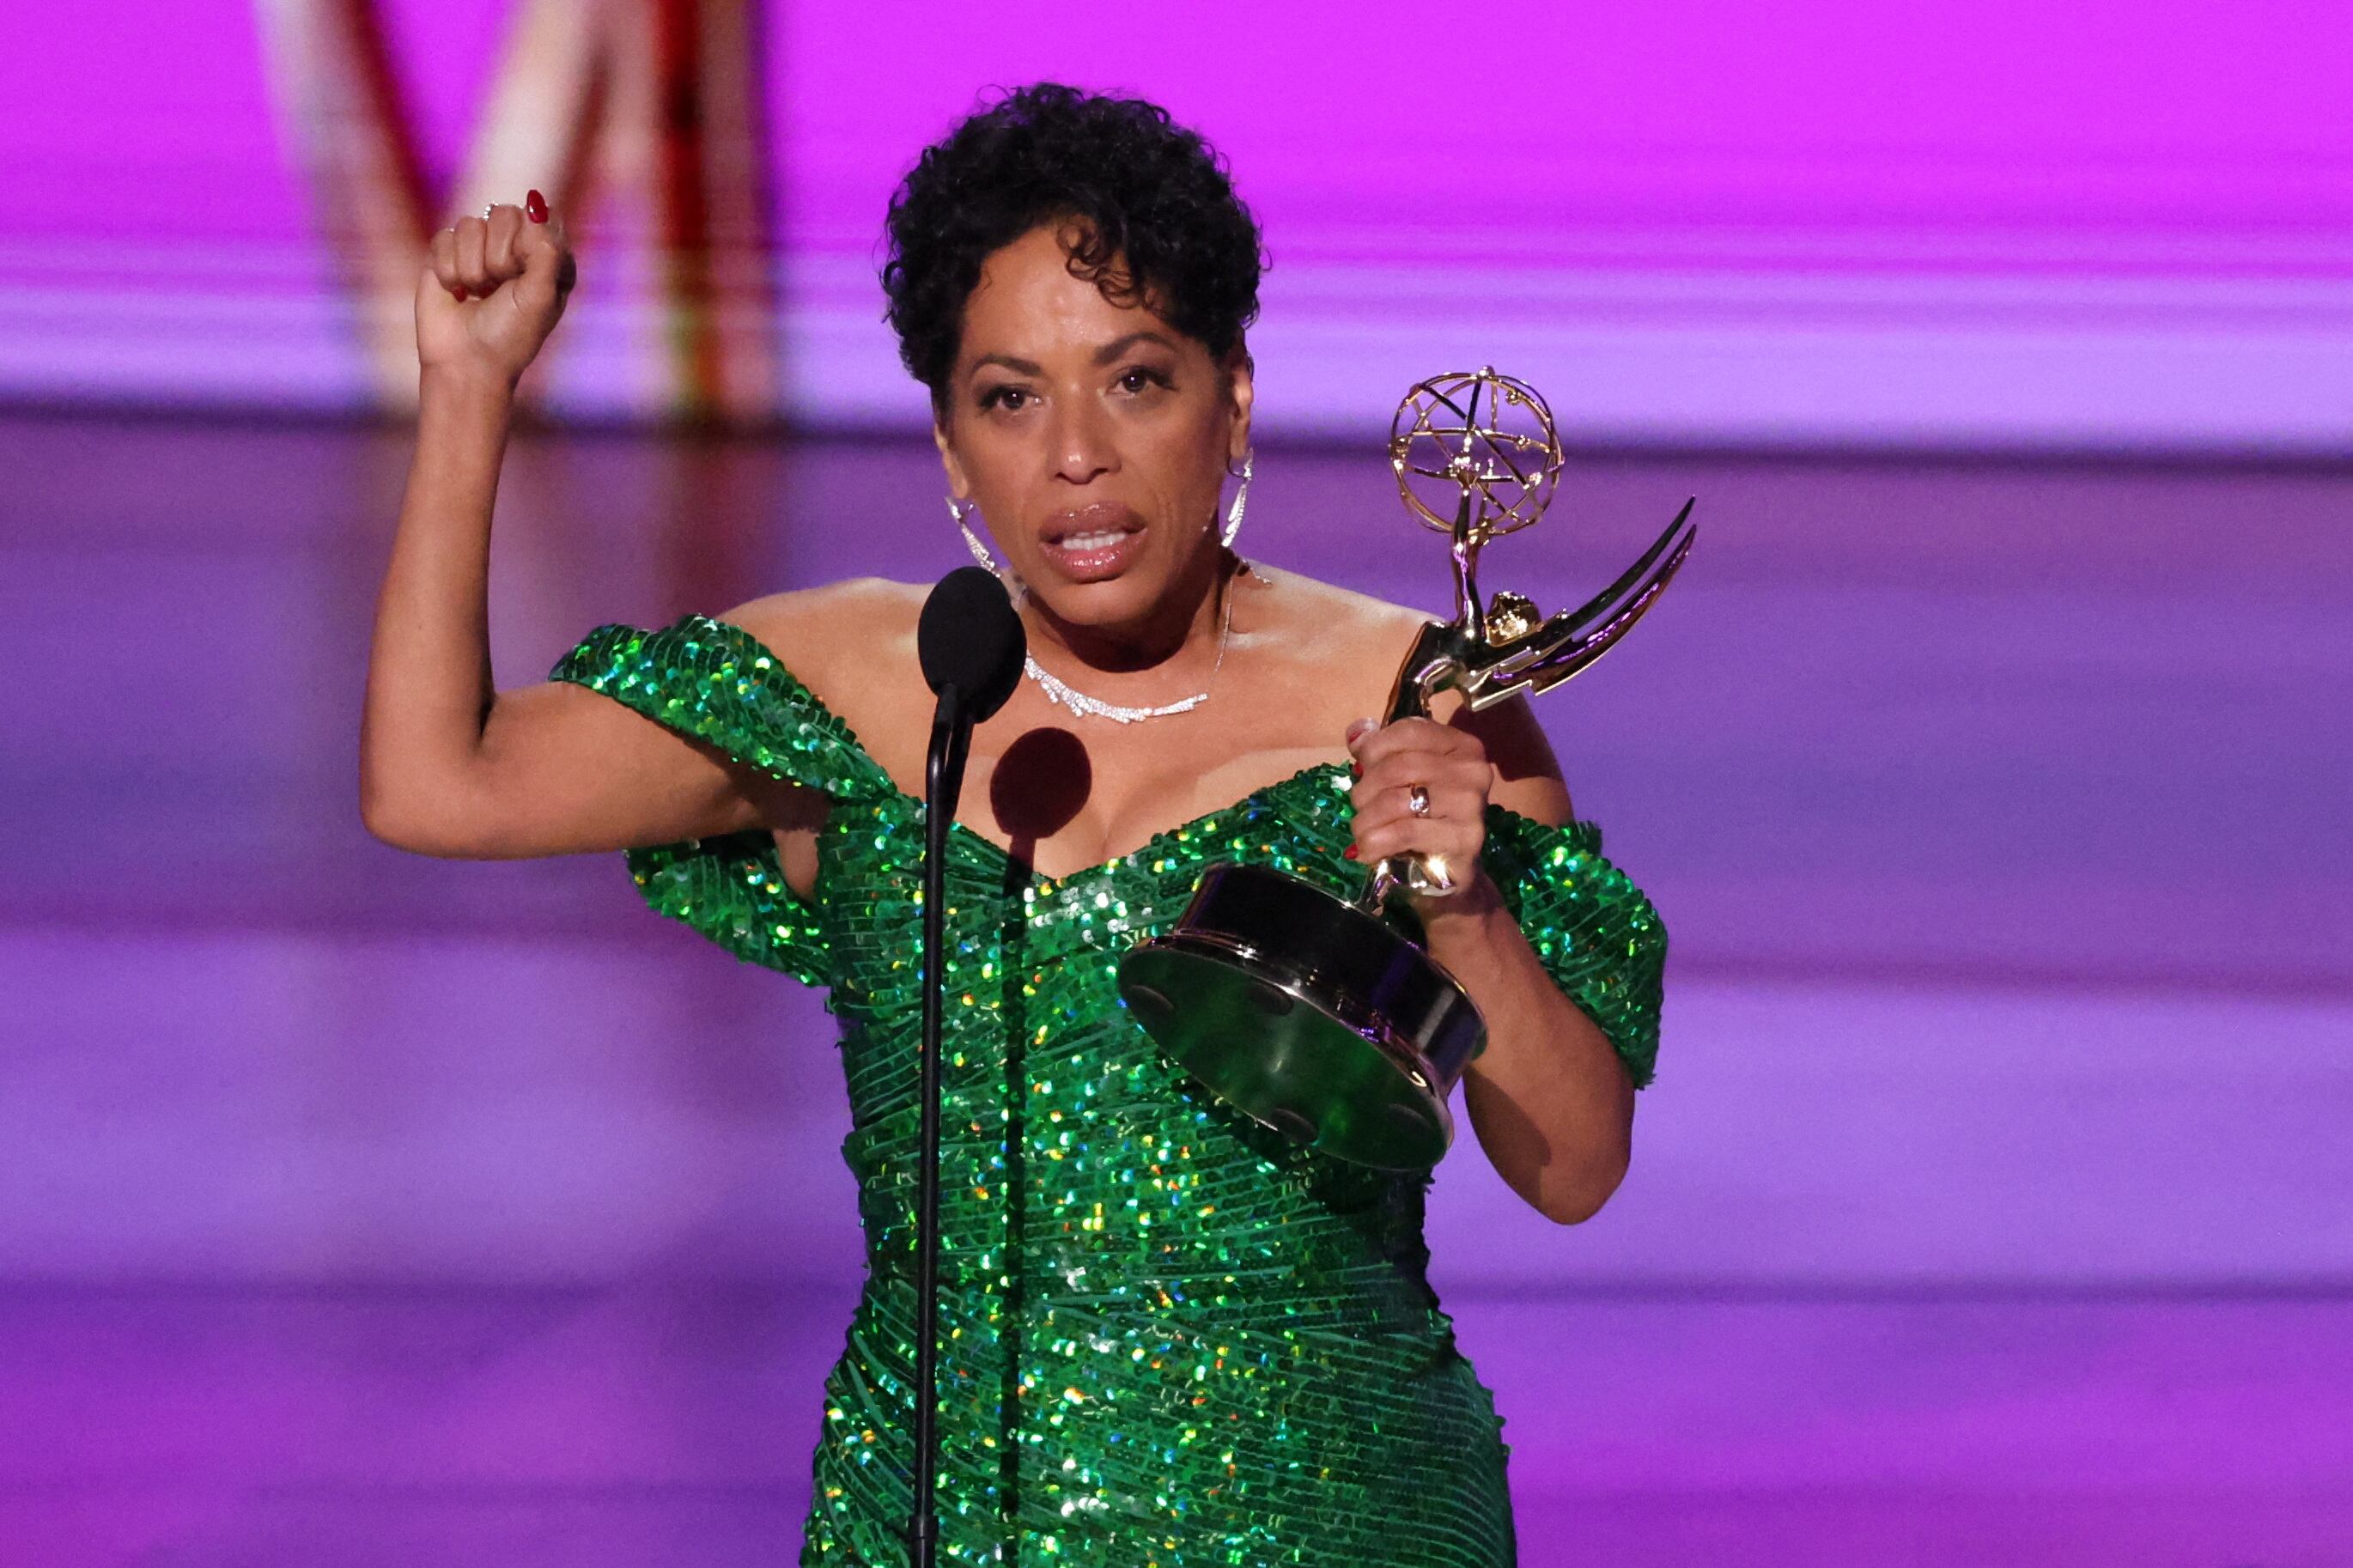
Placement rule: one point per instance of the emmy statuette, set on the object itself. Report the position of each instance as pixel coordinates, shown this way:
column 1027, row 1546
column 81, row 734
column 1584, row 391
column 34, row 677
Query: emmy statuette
column 1322, row 1018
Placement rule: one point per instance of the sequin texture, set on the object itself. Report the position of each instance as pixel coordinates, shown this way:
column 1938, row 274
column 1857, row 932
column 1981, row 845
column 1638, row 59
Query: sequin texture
column 1170, row 1337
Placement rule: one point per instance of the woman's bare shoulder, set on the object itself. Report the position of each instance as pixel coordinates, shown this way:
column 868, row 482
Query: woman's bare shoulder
column 1325, row 620
column 828, row 609
column 1339, row 630
column 839, row 637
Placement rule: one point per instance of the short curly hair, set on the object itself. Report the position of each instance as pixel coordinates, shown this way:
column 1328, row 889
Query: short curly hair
column 1152, row 205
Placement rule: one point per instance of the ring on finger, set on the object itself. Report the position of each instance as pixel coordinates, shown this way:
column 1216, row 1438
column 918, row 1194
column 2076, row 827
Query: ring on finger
column 1417, row 800
column 489, row 207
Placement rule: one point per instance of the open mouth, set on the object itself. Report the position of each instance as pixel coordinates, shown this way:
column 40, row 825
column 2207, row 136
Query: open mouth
column 1092, row 543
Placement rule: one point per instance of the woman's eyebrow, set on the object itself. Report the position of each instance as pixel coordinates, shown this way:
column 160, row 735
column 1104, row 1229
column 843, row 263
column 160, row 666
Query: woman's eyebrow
column 1118, row 346
column 1018, row 366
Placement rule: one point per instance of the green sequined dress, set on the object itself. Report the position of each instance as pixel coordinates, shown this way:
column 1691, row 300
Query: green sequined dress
column 1170, row 1338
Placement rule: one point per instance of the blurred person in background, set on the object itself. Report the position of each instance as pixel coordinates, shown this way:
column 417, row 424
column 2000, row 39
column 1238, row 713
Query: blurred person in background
column 1169, row 1335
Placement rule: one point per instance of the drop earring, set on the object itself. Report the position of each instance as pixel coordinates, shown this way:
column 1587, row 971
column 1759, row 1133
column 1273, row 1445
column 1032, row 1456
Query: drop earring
column 961, row 511
column 1241, row 497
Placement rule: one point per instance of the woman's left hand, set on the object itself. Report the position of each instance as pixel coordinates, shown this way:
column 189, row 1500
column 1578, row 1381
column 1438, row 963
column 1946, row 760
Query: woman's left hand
column 1453, row 776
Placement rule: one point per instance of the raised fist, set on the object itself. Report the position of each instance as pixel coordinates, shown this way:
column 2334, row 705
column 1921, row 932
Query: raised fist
column 492, row 289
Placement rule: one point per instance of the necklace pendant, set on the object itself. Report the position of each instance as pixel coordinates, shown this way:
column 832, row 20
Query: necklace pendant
column 1059, row 692
column 1062, row 694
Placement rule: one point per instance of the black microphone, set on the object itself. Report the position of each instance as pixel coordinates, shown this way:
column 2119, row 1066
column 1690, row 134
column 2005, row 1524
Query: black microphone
column 971, row 645
column 969, row 639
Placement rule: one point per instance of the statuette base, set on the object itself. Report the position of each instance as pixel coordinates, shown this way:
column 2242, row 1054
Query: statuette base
column 1310, row 1016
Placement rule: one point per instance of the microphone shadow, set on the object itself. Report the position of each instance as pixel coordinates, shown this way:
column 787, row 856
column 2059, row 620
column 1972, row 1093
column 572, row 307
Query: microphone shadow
column 1038, row 787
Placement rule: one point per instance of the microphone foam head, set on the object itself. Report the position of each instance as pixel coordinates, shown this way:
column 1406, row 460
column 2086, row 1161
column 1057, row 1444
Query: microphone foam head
column 969, row 636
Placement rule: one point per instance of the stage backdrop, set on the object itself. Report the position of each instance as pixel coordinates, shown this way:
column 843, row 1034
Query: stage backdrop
column 2106, row 223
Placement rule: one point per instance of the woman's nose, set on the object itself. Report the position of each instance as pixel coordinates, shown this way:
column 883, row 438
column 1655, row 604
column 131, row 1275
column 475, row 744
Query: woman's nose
column 1082, row 446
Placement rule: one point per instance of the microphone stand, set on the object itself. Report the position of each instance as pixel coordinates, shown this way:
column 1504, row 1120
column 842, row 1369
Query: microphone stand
column 942, row 781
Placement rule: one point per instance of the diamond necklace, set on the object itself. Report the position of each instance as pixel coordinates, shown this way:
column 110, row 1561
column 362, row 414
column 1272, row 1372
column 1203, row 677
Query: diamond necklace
column 1079, row 703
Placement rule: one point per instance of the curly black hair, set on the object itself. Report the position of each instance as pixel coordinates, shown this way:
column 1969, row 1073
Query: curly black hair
column 1153, row 211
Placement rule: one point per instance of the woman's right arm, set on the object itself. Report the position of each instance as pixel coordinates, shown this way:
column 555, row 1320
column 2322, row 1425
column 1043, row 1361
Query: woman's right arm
column 448, row 765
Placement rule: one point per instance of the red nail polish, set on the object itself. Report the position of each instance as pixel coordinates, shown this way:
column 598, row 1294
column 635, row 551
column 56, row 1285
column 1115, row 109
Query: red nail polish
column 1349, row 852
column 534, row 207
column 459, row 294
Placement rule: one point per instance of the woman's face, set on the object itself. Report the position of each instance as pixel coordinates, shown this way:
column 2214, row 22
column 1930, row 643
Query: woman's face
column 1095, row 436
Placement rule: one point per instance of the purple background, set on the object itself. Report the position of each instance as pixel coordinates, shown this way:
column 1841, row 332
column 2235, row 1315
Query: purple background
column 2210, row 137
column 2098, row 226
column 1988, row 764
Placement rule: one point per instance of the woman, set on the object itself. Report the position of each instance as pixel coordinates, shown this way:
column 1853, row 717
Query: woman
column 1170, row 1337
